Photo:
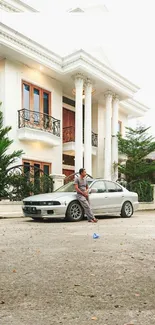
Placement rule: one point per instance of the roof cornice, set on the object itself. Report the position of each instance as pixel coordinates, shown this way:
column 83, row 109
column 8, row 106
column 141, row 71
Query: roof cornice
column 135, row 106
column 77, row 60
column 31, row 49
column 15, row 6
column 86, row 58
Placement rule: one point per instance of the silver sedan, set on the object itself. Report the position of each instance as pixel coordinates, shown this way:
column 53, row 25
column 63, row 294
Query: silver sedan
column 106, row 197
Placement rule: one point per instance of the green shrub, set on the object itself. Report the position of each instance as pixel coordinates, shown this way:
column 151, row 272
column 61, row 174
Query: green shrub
column 143, row 189
column 20, row 186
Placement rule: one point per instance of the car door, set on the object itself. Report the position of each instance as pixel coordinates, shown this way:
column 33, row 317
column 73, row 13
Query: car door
column 97, row 197
column 115, row 196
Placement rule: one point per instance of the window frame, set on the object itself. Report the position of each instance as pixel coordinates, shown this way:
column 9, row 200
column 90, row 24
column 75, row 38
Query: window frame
column 41, row 98
column 97, row 181
column 41, row 163
column 121, row 190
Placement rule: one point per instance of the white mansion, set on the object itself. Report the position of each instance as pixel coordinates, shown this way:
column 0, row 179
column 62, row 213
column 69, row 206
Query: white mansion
column 65, row 112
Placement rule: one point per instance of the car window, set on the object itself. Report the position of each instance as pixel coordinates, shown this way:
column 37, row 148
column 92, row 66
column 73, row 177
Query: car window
column 119, row 188
column 69, row 187
column 99, row 186
column 66, row 188
column 112, row 187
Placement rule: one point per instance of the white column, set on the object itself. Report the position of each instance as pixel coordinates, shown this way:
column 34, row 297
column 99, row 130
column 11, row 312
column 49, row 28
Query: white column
column 114, row 153
column 88, row 128
column 101, row 135
column 108, row 114
column 78, row 122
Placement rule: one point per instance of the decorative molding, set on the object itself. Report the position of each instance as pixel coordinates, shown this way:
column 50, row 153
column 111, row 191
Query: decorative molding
column 16, row 41
column 12, row 37
column 116, row 98
column 83, row 56
column 108, row 95
column 65, row 64
column 135, row 105
column 79, row 76
column 88, row 84
column 5, row 6
column 79, row 79
column 16, row 6
column 76, row 10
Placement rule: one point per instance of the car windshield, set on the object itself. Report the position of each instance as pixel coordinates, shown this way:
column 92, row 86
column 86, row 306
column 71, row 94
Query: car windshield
column 69, row 187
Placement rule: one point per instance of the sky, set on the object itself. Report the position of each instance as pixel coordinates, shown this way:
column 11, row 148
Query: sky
column 125, row 34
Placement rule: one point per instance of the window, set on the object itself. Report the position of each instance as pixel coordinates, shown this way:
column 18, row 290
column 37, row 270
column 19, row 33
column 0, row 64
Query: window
column 68, row 160
column 36, row 166
column 112, row 187
column 36, row 104
column 37, row 176
column 26, row 96
column 99, row 186
column 35, row 99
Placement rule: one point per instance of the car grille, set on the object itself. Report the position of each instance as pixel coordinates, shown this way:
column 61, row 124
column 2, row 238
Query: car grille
column 41, row 203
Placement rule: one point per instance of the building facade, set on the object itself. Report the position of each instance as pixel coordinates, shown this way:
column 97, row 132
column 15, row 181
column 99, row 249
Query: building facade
column 65, row 112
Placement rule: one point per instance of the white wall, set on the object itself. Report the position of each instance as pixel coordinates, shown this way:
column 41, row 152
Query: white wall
column 124, row 119
column 2, row 86
column 12, row 98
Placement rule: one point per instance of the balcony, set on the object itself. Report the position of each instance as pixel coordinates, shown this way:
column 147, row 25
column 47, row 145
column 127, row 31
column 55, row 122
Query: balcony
column 36, row 126
column 69, row 140
column 69, row 136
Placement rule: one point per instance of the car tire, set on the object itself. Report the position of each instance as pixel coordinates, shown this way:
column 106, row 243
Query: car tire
column 74, row 212
column 127, row 210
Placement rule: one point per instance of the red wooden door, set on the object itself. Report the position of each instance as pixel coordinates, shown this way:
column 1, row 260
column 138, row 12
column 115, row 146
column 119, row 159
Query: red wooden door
column 68, row 125
column 67, row 172
column 68, row 118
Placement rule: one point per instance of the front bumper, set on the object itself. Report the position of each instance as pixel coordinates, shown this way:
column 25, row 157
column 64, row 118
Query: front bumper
column 44, row 211
column 135, row 206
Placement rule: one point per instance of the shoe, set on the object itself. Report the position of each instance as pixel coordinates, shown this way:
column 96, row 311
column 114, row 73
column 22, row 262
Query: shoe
column 93, row 220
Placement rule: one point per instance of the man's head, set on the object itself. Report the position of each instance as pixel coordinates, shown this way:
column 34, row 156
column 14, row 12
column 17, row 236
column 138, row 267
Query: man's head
column 82, row 172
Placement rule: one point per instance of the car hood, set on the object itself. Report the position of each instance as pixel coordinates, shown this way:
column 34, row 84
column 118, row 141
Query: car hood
column 50, row 196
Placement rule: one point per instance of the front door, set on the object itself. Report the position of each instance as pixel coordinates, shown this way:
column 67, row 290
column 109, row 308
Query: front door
column 98, row 197
column 115, row 196
column 68, row 125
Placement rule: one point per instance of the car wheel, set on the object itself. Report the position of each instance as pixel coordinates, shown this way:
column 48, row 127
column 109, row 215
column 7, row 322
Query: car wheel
column 127, row 210
column 74, row 212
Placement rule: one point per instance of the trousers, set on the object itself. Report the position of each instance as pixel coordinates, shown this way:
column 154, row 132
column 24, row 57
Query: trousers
column 86, row 206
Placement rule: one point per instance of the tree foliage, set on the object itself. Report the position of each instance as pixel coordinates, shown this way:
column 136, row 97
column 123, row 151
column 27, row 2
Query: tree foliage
column 138, row 169
column 136, row 146
column 6, row 159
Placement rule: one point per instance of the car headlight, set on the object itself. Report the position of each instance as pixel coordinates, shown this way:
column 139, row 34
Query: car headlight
column 63, row 203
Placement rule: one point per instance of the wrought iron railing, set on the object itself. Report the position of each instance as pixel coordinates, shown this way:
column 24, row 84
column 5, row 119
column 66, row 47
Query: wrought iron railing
column 69, row 136
column 37, row 120
column 25, row 180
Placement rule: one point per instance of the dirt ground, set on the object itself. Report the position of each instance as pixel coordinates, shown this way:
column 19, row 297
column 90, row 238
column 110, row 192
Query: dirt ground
column 55, row 272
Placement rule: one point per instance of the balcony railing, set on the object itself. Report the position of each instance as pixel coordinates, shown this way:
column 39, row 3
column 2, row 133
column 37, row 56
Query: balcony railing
column 39, row 121
column 69, row 136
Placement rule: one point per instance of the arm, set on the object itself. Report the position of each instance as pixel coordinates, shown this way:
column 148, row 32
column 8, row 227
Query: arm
column 87, row 189
column 79, row 191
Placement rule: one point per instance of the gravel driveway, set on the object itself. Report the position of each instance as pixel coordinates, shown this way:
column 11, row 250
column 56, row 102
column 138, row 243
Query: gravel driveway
column 56, row 273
